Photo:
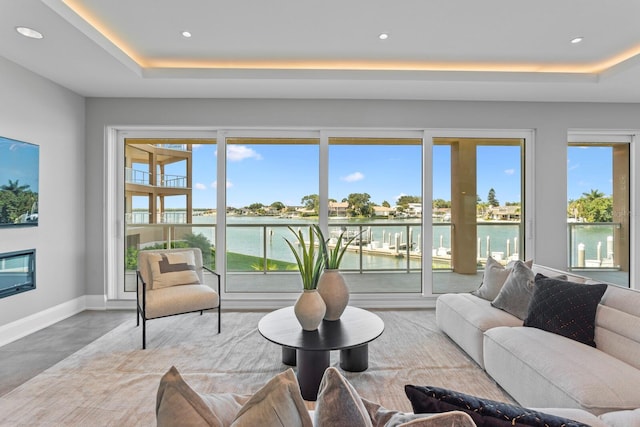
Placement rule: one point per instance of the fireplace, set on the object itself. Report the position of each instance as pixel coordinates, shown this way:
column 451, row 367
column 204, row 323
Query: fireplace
column 17, row 272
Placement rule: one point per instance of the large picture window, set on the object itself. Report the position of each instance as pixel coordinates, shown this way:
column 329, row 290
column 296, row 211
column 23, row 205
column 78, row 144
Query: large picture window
column 239, row 195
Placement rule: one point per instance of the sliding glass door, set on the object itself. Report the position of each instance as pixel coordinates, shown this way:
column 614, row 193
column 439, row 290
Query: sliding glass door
column 169, row 198
column 478, row 208
column 598, row 206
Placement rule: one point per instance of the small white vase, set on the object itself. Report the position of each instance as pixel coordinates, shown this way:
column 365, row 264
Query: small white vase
column 309, row 309
column 334, row 292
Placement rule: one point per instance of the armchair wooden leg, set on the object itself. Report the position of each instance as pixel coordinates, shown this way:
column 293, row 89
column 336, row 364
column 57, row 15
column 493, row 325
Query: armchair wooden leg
column 137, row 317
column 144, row 333
column 218, row 319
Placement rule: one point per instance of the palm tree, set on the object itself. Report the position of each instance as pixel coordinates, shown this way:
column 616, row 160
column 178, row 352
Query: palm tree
column 14, row 187
column 593, row 194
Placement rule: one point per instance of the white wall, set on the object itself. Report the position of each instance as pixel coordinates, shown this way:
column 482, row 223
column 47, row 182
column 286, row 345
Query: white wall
column 551, row 122
column 35, row 110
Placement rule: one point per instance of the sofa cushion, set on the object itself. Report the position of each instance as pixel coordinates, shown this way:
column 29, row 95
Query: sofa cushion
column 177, row 404
column 565, row 308
column 484, row 412
column 541, row 369
column 579, row 415
column 630, row 418
column 277, row 403
column 465, row 318
column 179, row 299
column 516, row 292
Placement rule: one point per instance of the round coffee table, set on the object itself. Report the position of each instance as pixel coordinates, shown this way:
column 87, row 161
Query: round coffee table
column 310, row 350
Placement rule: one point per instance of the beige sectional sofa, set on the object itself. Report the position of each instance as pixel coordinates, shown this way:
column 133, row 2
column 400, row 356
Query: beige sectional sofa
column 546, row 370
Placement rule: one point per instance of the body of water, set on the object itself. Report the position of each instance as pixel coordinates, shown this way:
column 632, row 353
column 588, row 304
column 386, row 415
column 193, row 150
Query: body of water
column 245, row 235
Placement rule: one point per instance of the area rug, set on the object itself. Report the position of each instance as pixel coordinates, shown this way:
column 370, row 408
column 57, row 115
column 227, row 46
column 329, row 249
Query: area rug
column 112, row 382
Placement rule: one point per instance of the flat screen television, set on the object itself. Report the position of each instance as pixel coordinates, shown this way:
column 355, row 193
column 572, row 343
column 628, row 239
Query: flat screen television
column 19, row 164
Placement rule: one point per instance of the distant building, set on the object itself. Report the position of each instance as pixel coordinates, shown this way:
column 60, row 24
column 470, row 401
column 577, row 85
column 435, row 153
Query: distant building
column 383, row 211
column 504, row 213
column 338, row 208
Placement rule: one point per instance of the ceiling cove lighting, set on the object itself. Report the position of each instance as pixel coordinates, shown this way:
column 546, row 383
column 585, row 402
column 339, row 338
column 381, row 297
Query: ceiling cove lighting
column 29, row 32
column 576, row 40
column 186, row 34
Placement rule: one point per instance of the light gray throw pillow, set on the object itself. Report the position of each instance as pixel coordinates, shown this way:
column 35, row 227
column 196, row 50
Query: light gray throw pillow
column 381, row 416
column 494, row 277
column 177, row 404
column 495, row 274
column 338, row 403
column 516, row 293
column 278, row 403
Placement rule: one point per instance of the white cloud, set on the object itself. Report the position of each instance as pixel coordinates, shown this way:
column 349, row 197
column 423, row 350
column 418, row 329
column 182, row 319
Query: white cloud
column 509, row 171
column 356, row 176
column 214, row 184
column 398, row 196
column 236, row 153
column 200, row 186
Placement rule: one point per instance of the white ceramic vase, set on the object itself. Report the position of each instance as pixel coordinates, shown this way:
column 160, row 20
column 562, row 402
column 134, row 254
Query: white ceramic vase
column 334, row 292
column 310, row 309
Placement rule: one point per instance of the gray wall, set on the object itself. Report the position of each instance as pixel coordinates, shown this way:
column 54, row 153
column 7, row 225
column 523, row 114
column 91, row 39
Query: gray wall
column 551, row 121
column 35, row 110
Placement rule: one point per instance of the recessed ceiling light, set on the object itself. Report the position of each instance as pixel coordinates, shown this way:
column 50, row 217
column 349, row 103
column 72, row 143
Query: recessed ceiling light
column 577, row 40
column 29, row 32
column 186, row 34
column 383, row 36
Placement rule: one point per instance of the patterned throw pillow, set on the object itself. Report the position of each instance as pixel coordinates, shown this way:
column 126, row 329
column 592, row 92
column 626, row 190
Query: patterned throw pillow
column 565, row 308
column 484, row 412
column 172, row 268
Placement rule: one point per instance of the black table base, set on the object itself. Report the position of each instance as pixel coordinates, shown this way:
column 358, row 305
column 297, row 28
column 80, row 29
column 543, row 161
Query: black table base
column 310, row 350
column 312, row 364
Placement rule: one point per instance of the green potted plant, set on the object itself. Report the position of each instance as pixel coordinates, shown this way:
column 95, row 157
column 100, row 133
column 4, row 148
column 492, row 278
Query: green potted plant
column 331, row 285
column 310, row 307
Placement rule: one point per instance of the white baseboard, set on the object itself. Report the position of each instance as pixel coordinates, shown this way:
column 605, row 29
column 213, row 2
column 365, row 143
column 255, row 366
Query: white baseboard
column 30, row 324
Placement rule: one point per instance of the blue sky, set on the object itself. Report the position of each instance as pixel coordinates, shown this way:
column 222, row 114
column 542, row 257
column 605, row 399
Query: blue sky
column 269, row 173
column 19, row 161
column 589, row 168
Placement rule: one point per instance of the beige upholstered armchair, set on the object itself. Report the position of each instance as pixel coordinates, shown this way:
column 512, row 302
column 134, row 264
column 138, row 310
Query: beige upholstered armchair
column 171, row 282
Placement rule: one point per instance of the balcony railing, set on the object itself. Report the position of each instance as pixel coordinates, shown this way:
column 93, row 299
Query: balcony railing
column 386, row 246
column 136, row 176
column 169, row 217
column 592, row 245
column 179, row 147
column 173, row 181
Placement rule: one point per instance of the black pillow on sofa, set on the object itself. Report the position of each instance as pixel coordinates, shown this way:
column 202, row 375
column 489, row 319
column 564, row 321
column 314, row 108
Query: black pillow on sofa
column 484, row 412
column 565, row 308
